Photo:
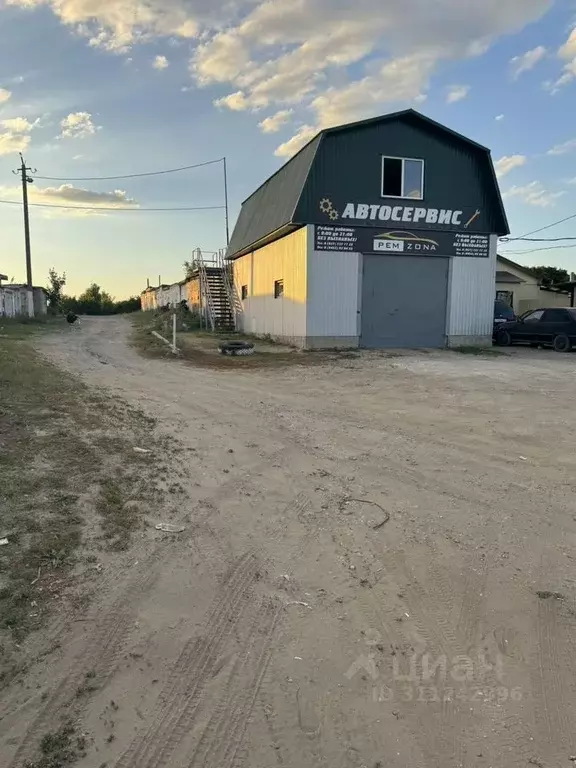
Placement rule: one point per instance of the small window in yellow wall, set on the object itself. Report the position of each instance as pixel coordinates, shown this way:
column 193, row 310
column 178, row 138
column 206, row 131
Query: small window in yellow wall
column 244, row 292
column 278, row 288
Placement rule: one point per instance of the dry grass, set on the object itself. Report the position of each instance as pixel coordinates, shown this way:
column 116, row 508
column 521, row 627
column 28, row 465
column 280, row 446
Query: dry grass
column 200, row 348
column 67, row 460
column 60, row 748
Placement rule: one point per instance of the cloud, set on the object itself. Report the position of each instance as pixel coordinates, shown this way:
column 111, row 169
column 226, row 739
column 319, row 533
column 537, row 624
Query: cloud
column 293, row 145
column 68, row 194
column 563, row 149
column 567, row 53
column 220, row 60
column 457, row 93
column 116, row 25
column 274, row 54
column 4, row 95
column 275, row 122
column 19, row 124
column 235, row 101
column 507, row 163
column 160, row 63
column 527, row 61
column 13, row 142
column 499, row 117
column 395, row 80
column 534, row 194
column 365, row 57
column 78, row 125
column 401, row 79
column 15, row 134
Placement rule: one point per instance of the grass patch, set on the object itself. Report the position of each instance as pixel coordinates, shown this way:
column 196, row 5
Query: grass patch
column 200, row 347
column 60, row 748
column 120, row 515
column 66, row 460
column 479, row 351
column 24, row 327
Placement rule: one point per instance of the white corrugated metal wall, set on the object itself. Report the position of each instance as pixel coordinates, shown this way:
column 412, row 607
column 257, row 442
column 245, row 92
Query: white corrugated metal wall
column 471, row 295
column 334, row 281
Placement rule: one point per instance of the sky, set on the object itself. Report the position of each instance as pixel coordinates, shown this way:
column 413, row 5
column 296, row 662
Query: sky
column 93, row 88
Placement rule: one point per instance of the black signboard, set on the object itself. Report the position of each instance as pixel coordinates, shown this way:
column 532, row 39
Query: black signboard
column 400, row 242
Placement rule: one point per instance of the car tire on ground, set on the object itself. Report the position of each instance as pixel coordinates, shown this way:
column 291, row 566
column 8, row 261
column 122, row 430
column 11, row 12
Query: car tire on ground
column 562, row 343
column 236, row 348
column 503, row 339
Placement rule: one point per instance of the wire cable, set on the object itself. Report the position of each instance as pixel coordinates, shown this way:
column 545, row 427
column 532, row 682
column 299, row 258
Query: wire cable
column 537, row 250
column 535, row 231
column 120, row 210
column 129, row 175
column 543, row 239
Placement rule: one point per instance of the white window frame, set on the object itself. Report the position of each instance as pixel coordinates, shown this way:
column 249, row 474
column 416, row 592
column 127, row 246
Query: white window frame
column 402, row 196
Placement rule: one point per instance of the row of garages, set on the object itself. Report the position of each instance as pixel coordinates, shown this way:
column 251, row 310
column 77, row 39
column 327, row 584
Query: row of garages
column 159, row 297
column 19, row 301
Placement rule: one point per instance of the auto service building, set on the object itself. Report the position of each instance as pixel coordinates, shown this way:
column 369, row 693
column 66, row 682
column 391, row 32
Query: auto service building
column 378, row 234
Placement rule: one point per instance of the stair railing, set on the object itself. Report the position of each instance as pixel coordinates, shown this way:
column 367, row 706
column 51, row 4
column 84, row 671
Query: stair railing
column 206, row 298
column 230, row 287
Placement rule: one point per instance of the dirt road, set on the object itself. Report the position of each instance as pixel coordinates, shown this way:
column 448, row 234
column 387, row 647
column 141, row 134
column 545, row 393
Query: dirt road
column 292, row 623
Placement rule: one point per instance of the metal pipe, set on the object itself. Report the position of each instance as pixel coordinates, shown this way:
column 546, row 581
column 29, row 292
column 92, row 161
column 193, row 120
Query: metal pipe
column 226, row 202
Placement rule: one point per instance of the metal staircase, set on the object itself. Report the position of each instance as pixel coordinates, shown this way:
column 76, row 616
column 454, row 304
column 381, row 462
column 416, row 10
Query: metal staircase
column 216, row 291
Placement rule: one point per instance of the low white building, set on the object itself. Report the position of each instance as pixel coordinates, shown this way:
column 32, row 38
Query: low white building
column 518, row 287
column 17, row 300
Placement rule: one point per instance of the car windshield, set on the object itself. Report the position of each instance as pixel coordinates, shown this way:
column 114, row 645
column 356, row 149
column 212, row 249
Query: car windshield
column 501, row 309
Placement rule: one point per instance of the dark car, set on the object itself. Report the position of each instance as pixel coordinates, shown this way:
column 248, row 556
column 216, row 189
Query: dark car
column 540, row 327
column 502, row 313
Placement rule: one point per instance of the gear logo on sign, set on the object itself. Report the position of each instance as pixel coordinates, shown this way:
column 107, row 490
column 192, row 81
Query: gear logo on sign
column 327, row 208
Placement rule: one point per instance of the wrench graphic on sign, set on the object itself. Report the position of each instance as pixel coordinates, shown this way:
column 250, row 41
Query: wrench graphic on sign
column 472, row 218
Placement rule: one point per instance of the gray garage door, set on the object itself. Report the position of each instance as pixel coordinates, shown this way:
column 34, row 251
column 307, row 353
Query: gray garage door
column 404, row 301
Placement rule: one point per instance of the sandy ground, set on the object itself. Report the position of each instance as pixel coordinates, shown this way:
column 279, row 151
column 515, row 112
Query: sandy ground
column 290, row 624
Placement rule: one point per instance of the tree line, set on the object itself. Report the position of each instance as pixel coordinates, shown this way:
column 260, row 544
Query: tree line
column 93, row 301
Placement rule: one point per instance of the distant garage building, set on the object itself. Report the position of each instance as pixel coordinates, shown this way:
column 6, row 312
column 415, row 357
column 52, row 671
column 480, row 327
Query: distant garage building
column 378, row 234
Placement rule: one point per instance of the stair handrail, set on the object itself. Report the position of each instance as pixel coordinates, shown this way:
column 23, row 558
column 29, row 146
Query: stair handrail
column 206, row 298
column 230, row 287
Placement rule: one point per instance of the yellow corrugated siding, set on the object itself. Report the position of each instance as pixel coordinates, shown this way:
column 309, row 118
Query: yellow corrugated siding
column 285, row 259
column 242, row 270
column 192, row 287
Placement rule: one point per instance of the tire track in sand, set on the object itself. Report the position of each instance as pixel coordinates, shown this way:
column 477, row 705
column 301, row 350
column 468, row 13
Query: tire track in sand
column 99, row 658
column 555, row 671
column 222, row 739
column 184, row 690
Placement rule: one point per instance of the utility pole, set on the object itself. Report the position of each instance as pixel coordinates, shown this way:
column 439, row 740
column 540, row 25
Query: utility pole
column 26, row 179
column 226, row 201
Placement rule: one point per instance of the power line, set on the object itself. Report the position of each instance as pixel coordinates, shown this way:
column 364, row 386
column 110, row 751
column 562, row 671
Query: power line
column 121, row 210
column 535, row 231
column 537, row 250
column 543, row 239
column 130, row 175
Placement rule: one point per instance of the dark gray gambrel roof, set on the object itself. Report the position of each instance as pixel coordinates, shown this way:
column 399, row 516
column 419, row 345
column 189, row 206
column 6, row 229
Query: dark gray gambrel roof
column 282, row 203
column 272, row 206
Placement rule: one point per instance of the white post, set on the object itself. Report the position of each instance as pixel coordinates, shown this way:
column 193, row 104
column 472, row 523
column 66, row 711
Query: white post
column 174, row 350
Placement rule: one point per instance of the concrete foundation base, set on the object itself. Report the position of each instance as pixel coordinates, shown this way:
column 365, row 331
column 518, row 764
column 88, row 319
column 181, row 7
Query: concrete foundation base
column 319, row 342
column 469, row 341
column 332, row 342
